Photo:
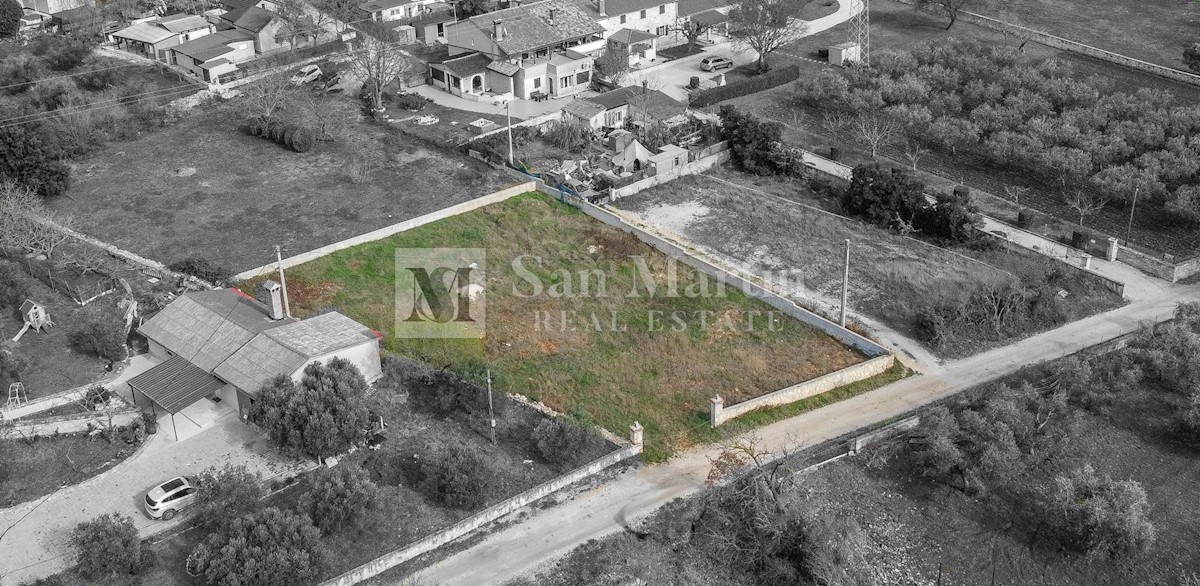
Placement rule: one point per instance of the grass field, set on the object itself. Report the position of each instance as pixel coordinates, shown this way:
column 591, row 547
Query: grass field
column 581, row 364
column 803, row 248
column 1151, row 30
column 204, row 187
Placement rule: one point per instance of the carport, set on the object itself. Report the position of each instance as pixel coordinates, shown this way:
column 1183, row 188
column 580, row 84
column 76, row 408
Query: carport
column 174, row 386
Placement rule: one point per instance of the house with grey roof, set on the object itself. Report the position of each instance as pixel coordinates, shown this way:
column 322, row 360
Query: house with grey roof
column 270, row 33
column 223, row 345
column 656, row 17
column 213, row 55
column 632, row 104
column 533, row 51
column 154, row 38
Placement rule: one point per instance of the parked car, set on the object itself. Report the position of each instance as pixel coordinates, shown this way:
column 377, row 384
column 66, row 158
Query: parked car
column 715, row 63
column 168, row 498
column 306, row 74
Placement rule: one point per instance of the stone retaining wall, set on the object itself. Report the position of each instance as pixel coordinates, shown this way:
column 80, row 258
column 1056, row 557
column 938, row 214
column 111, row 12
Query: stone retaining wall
column 488, row 515
column 382, row 233
column 719, row 413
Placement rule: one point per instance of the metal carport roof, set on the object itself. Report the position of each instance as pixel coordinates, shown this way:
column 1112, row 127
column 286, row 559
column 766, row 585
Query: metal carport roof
column 175, row 384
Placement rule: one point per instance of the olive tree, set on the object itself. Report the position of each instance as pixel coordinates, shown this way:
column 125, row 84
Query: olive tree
column 322, row 415
column 1101, row 516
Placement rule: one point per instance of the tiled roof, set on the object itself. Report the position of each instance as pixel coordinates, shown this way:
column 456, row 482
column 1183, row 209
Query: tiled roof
column 207, row 327
column 628, row 36
column 525, row 27
column 286, row 349
column 504, row 68
column 182, row 23
column 618, row 7
column 145, row 32
column 469, row 65
column 710, row 17
column 175, row 384
column 690, row 7
column 656, row 101
column 379, row 5
column 253, row 19
column 585, row 109
column 211, row 46
column 436, row 15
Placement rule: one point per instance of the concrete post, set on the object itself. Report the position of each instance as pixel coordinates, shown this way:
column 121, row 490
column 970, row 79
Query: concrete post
column 1112, row 249
column 635, row 434
column 1086, row 262
column 714, row 413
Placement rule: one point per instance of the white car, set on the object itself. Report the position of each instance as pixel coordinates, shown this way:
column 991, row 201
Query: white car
column 306, row 74
column 168, row 498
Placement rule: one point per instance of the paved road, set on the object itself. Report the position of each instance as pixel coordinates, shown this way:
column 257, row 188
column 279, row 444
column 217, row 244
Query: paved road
column 35, row 534
column 522, row 549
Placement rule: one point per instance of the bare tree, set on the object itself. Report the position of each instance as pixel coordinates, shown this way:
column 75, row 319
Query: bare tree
column 26, row 222
column 329, row 119
column 693, row 31
column 767, row 25
column 266, row 96
column 950, row 8
column 1015, row 193
column 834, row 123
column 914, row 152
column 381, row 62
column 613, row 65
column 1084, row 202
column 299, row 20
column 876, row 131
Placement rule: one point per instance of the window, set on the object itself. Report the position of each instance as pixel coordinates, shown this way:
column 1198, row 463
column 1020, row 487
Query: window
column 663, row 31
column 565, row 82
column 662, row 8
column 437, row 75
column 582, row 77
column 441, row 30
column 537, row 82
column 622, row 19
column 642, row 15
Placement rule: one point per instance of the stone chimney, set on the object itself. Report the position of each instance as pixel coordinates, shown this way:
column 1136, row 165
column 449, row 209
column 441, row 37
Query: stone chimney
column 551, row 17
column 603, row 12
column 497, row 30
column 271, row 294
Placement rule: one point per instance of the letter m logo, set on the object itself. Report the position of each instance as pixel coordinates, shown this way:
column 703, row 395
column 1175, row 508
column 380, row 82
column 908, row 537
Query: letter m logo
column 440, row 292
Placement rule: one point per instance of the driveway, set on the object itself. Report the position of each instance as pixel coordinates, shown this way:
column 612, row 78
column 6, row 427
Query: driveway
column 34, row 536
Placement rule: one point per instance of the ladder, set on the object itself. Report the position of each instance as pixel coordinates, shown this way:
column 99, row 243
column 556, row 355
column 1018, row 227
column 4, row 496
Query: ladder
column 15, row 392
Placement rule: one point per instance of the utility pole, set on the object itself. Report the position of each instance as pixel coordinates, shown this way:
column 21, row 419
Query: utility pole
column 491, row 414
column 1132, row 206
column 287, row 309
column 845, row 283
column 508, row 113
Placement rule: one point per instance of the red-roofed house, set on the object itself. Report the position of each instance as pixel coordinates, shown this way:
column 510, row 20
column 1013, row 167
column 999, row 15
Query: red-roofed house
column 224, row 345
column 528, row 49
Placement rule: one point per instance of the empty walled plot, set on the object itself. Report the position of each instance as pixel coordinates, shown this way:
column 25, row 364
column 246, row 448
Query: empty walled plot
column 594, row 342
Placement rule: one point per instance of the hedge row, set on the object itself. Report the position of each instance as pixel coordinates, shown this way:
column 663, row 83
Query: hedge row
column 293, row 136
column 753, row 85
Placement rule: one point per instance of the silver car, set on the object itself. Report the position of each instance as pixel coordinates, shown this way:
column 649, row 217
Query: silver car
column 168, row 498
column 715, row 63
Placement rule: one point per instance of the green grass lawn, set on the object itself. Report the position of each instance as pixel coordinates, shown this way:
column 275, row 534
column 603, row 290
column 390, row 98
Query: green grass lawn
column 641, row 370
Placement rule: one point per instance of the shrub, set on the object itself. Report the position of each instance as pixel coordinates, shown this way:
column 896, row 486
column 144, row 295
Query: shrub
column 225, row 493
column 560, row 443
column 30, row 157
column 460, row 477
column 339, row 497
column 10, row 18
column 202, row 269
column 1189, row 417
column 756, row 145
column 753, row 85
column 303, row 140
column 99, row 332
column 1101, row 516
column 1191, row 57
column 269, row 547
column 18, row 75
column 69, row 54
column 108, row 545
column 443, row 393
column 321, row 416
column 412, row 102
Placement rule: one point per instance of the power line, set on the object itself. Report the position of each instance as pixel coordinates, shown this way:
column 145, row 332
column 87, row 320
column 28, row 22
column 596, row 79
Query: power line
column 93, row 106
column 40, row 80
